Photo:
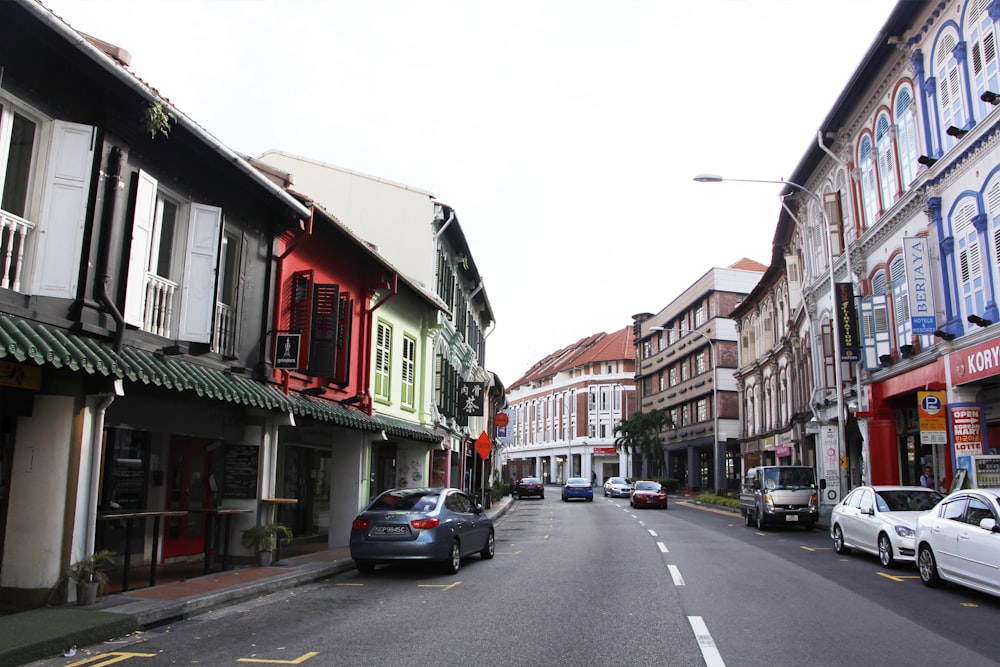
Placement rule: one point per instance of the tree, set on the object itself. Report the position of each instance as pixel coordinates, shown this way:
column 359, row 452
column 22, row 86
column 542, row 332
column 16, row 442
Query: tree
column 640, row 434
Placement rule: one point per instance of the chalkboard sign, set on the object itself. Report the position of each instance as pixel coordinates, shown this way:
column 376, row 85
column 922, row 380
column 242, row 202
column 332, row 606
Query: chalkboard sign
column 240, row 479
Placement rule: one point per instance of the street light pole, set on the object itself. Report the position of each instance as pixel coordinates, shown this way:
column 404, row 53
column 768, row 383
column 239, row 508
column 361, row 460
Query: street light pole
column 837, row 371
column 719, row 460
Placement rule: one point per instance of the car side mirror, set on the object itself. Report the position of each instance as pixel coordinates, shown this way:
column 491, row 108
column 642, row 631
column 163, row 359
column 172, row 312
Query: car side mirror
column 990, row 525
column 479, row 508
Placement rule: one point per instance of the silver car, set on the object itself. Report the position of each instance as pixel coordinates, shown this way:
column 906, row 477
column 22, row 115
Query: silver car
column 959, row 541
column 617, row 487
column 422, row 524
column 881, row 520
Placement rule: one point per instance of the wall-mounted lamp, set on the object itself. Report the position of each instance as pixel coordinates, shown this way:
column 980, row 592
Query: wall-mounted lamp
column 173, row 350
column 313, row 391
column 944, row 335
column 979, row 321
column 383, row 436
column 886, row 360
column 926, row 160
column 990, row 97
column 907, row 351
column 956, row 131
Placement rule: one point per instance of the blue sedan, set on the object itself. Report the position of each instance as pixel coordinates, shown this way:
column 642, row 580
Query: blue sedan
column 578, row 487
column 436, row 525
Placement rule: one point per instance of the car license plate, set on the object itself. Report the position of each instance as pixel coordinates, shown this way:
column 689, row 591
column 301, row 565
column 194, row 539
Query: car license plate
column 389, row 530
column 792, row 517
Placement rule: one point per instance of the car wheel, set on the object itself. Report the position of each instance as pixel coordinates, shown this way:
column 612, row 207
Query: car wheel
column 838, row 541
column 928, row 567
column 885, row 551
column 760, row 519
column 454, row 559
column 590, row 499
column 541, row 497
column 364, row 566
column 490, row 548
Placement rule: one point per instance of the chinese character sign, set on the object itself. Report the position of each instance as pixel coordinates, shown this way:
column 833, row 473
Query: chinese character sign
column 471, row 399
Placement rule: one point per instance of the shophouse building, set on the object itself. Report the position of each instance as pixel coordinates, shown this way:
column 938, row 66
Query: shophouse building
column 687, row 353
column 423, row 238
column 565, row 408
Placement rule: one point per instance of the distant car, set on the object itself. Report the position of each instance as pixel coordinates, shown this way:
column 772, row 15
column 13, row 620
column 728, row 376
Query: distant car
column 528, row 487
column 617, row 487
column 647, row 493
column 578, row 487
column 959, row 541
column 881, row 520
column 421, row 524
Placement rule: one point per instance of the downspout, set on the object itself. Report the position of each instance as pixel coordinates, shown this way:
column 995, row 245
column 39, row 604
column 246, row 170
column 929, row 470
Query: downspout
column 112, row 183
column 96, row 453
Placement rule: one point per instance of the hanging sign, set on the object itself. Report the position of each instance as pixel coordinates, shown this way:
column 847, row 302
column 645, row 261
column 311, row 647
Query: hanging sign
column 919, row 289
column 471, row 399
column 484, row 446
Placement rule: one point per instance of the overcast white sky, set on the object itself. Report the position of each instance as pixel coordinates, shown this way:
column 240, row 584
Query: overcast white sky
column 565, row 134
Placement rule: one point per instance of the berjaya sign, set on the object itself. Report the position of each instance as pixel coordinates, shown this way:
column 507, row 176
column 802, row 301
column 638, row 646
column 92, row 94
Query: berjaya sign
column 919, row 287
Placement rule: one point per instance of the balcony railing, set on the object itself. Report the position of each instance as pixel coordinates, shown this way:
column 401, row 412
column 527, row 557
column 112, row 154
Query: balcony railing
column 159, row 313
column 224, row 334
column 14, row 234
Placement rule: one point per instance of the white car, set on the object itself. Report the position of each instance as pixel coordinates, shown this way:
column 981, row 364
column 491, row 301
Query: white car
column 617, row 487
column 960, row 541
column 881, row 520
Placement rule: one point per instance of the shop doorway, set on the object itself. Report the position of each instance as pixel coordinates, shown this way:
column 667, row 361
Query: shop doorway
column 190, row 487
column 383, row 474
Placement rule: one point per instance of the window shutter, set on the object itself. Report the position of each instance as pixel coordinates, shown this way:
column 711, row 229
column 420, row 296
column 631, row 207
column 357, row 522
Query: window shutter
column 198, row 298
column 323, row 333
column 383, row 354
column 300, row 308
column 59, row 237
column 138, row 258
column 345, row 320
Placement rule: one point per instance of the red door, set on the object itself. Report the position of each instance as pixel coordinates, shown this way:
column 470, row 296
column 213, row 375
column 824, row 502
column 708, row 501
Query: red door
column 188, row 488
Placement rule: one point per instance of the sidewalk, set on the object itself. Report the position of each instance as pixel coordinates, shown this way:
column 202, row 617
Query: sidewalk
column 49, row 632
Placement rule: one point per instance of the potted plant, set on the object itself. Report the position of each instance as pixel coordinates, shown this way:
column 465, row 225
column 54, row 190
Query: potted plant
column 90, row 579
column 263, row 538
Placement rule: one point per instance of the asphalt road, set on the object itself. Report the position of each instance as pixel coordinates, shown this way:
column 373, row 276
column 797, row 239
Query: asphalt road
column 598, row 583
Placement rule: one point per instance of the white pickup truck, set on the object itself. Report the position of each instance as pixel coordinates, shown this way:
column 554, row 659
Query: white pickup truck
column 780, row 495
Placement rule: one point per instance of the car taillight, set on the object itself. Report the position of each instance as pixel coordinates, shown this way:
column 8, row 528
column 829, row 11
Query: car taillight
column 425, row 524
column 360, row 524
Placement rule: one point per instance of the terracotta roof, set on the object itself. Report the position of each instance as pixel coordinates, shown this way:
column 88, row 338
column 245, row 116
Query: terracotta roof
column 748, row 265
column 592, row 349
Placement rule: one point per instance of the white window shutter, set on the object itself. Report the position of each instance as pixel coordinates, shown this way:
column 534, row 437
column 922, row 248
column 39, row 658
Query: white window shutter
column 138, row 256
column 198, row 300
column 59, row 238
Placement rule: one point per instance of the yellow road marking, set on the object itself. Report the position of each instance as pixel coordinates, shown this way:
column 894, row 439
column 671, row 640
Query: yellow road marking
column 816, row 548
column 297, row 661
column 110, row 658
column 969, row 604
column 898, row 578
column 446, row 587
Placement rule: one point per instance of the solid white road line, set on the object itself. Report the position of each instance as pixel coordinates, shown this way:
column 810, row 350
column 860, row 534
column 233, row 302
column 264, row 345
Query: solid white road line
column 675, row 574
column 705, row 642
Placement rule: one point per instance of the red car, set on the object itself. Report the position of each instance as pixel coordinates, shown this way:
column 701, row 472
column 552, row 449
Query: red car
column 649, row 494
column 529, row 486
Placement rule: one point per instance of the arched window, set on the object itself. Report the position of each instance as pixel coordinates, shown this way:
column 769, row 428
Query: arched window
column 886, row 160
column 983, row 54
column 900, row 302
column 906, row 137
column 951, row 100
column 991, row 200
column 970, row 265
column 869, row 194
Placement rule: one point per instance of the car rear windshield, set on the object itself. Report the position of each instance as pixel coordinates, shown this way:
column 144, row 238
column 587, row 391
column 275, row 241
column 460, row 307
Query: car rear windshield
column 531, row 480
column 405, row 501
column 577, row 480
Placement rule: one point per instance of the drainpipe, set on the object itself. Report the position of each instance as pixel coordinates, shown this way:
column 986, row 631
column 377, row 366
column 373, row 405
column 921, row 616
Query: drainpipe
column 97, row 444
column 112, row 183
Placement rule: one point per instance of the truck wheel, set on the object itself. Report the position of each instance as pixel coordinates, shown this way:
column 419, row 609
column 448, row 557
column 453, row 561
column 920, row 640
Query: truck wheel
column 759, row 515
column 747, row 517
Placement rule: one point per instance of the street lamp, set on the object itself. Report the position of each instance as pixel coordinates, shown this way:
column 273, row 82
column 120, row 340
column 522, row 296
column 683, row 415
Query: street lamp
column 837, row 371
column 719, row 456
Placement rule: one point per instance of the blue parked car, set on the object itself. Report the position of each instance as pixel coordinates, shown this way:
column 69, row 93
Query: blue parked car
column 578, row 487
column 437, row 525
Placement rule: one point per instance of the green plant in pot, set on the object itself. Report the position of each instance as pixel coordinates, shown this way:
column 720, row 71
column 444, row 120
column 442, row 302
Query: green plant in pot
column 89, row 577
column 263, row 538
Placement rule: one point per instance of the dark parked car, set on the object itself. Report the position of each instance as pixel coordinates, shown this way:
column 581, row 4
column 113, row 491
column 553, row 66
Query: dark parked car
column 529, row 487
column 646, row 493
column 437, row 525
column 578, row 487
